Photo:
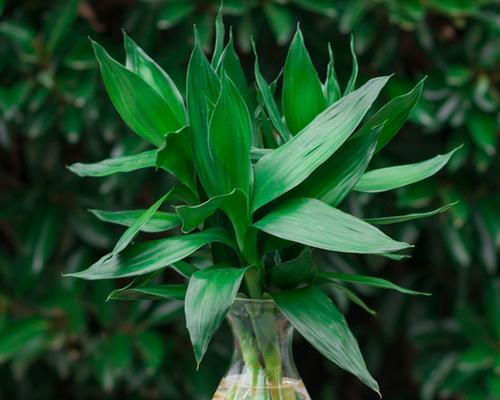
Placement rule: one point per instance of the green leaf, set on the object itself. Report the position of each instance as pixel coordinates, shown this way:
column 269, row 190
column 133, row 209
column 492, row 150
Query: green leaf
column 110, row 166
column 336, row 177
column 331, row 86
column 351, row 84
column 220, row 32
column 150, row 292
column 383, row 179
column 16, row 336
column 139, row 105
column 482, row 128
column 134, row 229
column 209, row 296
column 150, row 256
column 230, row 137
column 290, row 164
column 59, row 23
column 230, row 64
column 302, row 92
column 173, row 13
column 314, row 223
column 392, row 115
column 145, row 67
column 175, row 156
column 203, row 90
column 353, row 297
column 281, row 20
column 324, row 277
column 269, row 102
column 159, row 222
column 317, row 319
column 296, row 272
column 408, row 217
column 151, row 346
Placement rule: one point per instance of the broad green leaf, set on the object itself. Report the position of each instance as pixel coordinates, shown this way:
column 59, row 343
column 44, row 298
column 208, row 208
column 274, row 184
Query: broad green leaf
column 230, row 64
column 145, row 67
column 317, row 319
column 331, row 86
column 220, row 33
column 269, row 102
column 150, row 256
column 323, row 277
column 408, row 217
column 298, row 271
column 354, row 298
column 336, row 177
column 351, row 85
column 150, row 292
column 230, row 137
column 175, row 156
column 160, row 222
column 392, row 115
column 234, row 204
column 383, row 179
column 302, row 92
column 290, row 164
column 139, row 105
column 134, row 229
column 203, row 90
column 209, row 296
column 59, row 23
column 183, row 268
column 314, row 223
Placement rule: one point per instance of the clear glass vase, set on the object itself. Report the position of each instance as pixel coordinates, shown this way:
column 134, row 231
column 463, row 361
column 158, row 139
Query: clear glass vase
column 262, row 366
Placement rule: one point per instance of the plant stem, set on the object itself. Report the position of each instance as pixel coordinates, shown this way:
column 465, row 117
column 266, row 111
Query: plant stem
column 252, row 280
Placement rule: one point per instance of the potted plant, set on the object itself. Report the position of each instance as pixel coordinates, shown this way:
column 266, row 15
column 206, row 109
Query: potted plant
column 257, row 198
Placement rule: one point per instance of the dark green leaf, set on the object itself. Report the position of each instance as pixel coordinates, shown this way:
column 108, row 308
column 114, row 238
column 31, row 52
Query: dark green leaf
column 331, row 86
column 297, row 272
column 209, row 296
column 323, row 277
column 383, row 179
column 302, row 92
column 287, row 166
column 150, row 292
column 111, row 166
column 351, row 85
column 18, row 335
column 316, row 318
column 408, row 217
column 314, row 223
column 150, row 256
column 354, row 298
column 281, row 20
column 159, row 222
column 59, row 23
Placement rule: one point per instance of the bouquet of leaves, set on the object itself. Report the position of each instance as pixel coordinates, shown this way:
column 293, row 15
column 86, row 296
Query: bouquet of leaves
column 256, row 189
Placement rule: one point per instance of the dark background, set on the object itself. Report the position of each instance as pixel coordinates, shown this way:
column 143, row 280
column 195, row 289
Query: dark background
column 59, row 339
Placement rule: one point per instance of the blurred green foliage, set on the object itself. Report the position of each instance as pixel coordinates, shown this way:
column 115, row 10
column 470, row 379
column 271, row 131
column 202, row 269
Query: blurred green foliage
column 60, row 339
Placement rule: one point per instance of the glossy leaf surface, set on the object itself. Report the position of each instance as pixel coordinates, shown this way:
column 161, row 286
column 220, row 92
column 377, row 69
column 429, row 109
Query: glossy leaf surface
column 160, row 221
column 317, row 319
column 287, row 166
column 314, row 223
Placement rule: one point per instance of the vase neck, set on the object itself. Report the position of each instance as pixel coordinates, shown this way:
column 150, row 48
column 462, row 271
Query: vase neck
column 262, row 357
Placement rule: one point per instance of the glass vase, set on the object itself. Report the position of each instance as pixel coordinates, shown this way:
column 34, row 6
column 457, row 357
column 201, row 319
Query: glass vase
column 262, row 366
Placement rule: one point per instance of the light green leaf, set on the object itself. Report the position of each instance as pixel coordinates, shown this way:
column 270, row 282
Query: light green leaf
column 139, row 105
column 220, row 32
column 134, row 229
column 159, row 222
column 298, row 271
column 314, row 223
column 175, row 156
column 336, row 177
column 331, row 86
column 324, row 277
column 408, row 217
column 209, row 296
column 269, row 102
column 317, row 319
column 203, row 90
column 150, row 292
column 230, row 137
column 150, row 256
column 392, row 115
column 302, row 92
column 383, row 179
column 145, row 67
column 290, row 164
column 351, row 85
